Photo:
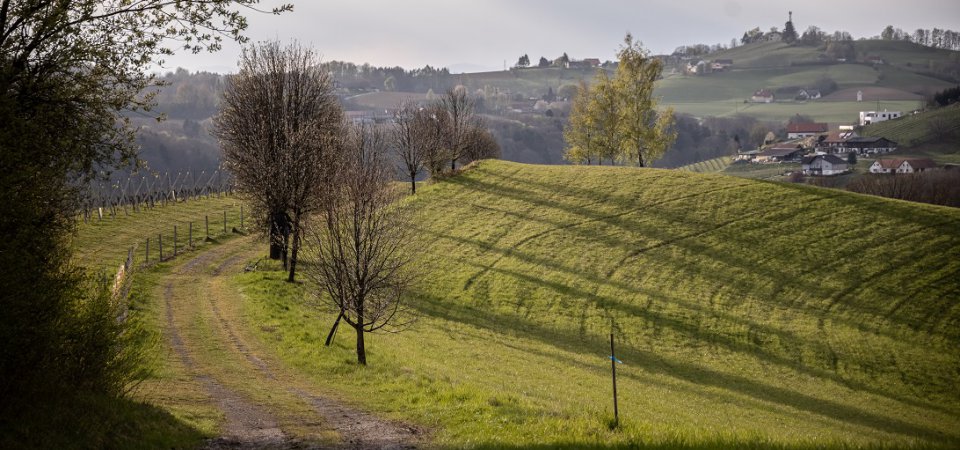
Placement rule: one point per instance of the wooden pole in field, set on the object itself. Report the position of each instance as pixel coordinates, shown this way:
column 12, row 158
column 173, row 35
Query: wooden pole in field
column 206, row 221
column 160, row 244
column 224, row 221
column 613, row 371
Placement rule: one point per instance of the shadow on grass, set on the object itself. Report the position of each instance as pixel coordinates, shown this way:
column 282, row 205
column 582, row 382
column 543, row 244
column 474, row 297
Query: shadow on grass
column 94, row 422
column 699, row 375
column 805, row 277
column 708, row 445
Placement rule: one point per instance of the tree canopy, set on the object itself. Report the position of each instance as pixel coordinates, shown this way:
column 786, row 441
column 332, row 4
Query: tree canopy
column 619, row 120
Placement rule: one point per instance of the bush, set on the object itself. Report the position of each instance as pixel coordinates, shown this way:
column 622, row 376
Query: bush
column 938, row 187
column 80, row 342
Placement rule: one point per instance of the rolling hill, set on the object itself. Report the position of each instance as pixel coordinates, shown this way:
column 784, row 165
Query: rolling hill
column 746, row 313
column 917, row 129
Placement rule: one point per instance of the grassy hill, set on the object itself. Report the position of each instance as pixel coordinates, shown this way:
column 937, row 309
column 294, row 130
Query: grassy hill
column 770, row 65
column 746, row 313
column 915, row 129
column 708, row 166
column 103, row 244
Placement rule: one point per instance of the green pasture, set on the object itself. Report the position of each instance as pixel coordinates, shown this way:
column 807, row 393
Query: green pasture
column 708, row 166
column 832, row 112
column 915, row 129
column 104, row 243
column 747, row 314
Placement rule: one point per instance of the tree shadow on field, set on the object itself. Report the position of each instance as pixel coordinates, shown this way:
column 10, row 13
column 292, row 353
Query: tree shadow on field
column 657, row 364
column 805, row 277
column 94, row 422
column 718, row 444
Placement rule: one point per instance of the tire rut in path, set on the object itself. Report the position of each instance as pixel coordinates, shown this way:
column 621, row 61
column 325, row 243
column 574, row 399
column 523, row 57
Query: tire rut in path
column 249, row 426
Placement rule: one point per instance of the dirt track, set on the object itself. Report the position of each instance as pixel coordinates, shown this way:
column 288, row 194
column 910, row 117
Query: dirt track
column 201, row 313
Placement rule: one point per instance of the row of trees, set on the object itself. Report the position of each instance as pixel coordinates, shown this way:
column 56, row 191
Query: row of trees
column 936, row 38
column 561, row 61
column 437, row 136
column 616, row 119
column 365, row 76
column 303, row 167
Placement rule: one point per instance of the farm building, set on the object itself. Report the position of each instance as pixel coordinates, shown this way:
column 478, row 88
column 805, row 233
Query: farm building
column 762, row 96
column 780, row 153
column 868, row 117
column 895, row 166
column 834, row 142
column 805, row 130
column 721, row 64
column 808, row 94
column 868, row 145
column 824, row 165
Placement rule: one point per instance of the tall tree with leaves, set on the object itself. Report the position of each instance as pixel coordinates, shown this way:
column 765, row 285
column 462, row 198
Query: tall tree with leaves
column 646, row 133
column 581, row 132
column 70, row 72
column 620, row 118
column 523, row 62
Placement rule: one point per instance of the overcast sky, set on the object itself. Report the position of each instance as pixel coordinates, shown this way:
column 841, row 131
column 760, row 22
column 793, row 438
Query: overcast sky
column 482, row 35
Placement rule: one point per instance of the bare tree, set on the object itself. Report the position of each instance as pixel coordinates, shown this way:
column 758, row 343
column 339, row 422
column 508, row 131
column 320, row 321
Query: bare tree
column 413, row 139
column 436, row 134
column 277, row 127
column 459, row 110
column 359, row 246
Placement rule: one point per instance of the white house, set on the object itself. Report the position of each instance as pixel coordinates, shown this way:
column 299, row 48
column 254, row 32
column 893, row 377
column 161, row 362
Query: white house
column 762, row 96
column 895, row 166
column 824, row 165
column 868, row 117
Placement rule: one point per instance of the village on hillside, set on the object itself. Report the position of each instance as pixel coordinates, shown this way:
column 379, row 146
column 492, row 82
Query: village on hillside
column 825, row 152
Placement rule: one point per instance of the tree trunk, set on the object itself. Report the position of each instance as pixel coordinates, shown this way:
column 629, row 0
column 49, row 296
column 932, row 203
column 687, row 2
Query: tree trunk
column 276, row 237
column 295, row 248
column 333, row 330
column 413, row 184
column 286, row 246
column 361, row 350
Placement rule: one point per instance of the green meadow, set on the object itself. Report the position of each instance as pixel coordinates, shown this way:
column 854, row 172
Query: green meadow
column 746, row 313
column 915, row 129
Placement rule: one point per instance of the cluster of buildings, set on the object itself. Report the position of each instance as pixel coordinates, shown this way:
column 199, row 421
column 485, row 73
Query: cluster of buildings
column 824, row 153
column 768, row 96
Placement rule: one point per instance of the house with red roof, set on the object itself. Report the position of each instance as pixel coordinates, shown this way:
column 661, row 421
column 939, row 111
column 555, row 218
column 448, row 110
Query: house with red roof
column 805, row 130
column 762, row 96
column 899, row 166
